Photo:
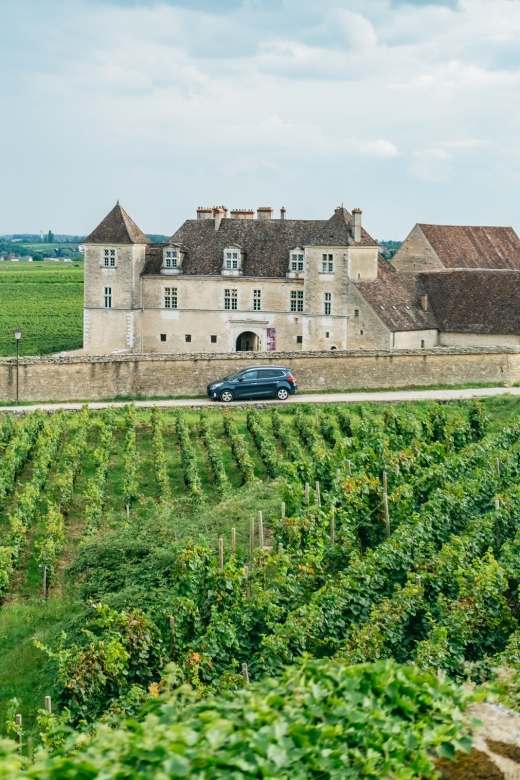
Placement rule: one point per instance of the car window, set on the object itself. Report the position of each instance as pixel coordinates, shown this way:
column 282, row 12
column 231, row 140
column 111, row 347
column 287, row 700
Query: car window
column 267, row 373
column 248, row 375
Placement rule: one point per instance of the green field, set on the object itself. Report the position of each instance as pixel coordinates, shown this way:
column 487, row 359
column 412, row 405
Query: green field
column 46, row 301
column 126, row 508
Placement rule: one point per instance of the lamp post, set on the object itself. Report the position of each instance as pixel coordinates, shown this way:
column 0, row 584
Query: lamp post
column 17, row 333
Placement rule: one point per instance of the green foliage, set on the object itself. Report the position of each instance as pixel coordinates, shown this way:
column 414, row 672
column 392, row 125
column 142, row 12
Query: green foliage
column 189, row 461
column 319, row 720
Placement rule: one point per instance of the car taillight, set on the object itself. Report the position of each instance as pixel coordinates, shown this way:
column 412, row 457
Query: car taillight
column 291, row 379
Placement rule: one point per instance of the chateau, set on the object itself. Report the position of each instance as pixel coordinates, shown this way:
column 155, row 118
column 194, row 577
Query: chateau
column 241, row 281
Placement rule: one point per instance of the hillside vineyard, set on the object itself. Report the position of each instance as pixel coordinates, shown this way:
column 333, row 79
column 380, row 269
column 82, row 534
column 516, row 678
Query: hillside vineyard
column 397, row 538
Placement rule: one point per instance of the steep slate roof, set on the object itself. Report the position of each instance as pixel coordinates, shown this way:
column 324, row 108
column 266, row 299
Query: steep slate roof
column 395, row 299
column 337, row 232
column 483, row 301
column 117, row 228
column 474, row 247
column 265, row 242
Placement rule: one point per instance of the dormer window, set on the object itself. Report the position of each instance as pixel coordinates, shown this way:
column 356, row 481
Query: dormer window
column 232, row 261
column 297, row 261
column 172, row 260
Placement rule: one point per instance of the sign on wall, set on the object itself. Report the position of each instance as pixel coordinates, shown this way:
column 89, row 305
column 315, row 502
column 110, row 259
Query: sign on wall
column 271, row 339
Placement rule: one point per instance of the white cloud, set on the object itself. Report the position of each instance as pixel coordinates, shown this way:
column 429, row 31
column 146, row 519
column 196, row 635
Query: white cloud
column 380, row 148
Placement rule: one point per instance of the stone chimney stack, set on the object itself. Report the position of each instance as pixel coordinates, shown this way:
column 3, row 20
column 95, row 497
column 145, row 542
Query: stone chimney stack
column 242, row 214
column 283, row 212
column 219, row 213
column 424, row 302
column 204, row 213
column 356, row 225
column 264, row 212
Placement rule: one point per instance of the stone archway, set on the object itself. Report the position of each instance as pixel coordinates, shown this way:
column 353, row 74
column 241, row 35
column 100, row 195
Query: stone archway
column 247, row 342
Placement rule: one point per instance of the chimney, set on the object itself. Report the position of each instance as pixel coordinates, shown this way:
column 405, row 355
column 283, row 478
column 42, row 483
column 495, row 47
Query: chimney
column 283, row 212
column 242, row 214
column 219, row 213
column 265, row 212
column 204, row 213
column 424, row 302
column 356, row 225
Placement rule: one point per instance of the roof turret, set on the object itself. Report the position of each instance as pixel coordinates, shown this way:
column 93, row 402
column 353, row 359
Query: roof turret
column 117, row 228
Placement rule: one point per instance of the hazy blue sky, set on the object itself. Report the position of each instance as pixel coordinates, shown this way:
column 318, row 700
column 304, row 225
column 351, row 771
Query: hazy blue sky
column 409, row 110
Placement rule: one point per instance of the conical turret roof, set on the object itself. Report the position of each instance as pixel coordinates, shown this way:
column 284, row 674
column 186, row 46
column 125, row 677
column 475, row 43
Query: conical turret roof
column 117, row 228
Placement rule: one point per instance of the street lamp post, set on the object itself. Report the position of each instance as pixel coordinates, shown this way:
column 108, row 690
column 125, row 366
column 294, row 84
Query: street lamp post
column 17, row 333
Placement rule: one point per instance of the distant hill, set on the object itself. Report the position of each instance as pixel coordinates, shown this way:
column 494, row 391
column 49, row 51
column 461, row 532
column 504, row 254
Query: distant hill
column 389, row 248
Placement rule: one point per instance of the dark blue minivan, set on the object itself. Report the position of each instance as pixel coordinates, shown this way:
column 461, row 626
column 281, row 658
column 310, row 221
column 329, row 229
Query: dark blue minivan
column 254, row 382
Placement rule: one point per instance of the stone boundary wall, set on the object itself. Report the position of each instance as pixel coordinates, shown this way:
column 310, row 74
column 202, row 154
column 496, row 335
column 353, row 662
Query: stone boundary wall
column 94, row 378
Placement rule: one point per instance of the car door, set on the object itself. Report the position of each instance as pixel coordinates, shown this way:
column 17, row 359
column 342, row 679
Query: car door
column 267, row 380
column 246, row 384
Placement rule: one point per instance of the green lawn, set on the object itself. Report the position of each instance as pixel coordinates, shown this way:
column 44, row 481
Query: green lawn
column 46, row 301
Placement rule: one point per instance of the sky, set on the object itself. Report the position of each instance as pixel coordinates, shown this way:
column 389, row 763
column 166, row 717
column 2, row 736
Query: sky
column 407, row 110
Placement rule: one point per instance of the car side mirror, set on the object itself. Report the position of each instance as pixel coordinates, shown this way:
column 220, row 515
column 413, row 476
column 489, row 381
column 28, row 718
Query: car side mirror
column 241, row 378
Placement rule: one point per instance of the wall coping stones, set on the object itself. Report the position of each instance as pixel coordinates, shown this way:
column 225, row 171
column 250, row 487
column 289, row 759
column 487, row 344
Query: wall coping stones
column 251, row 357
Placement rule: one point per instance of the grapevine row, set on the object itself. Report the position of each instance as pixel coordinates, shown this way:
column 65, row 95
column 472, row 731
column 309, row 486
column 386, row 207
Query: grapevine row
column 263, row 443
column 239, row 449
column 17, row 451
column 96, row 486
column 159, row 457
column 222, row 484
column 189, row 461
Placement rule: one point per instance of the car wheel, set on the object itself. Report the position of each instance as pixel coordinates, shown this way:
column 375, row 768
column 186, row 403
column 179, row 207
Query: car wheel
column 282, row 394
column 226, row 396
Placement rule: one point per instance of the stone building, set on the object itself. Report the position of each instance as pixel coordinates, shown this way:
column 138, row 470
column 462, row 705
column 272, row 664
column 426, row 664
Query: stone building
column 237, row 281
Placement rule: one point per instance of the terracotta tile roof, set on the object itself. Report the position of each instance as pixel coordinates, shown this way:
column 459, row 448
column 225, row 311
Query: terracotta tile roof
column 336, row 232
column 266, row 244
column 474, row 247
column 395, row 299
column 117, row 228
column 476, row 301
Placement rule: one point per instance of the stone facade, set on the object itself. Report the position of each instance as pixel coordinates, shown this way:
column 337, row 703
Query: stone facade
column 261, row 284
column 103, row 377
column 135, row 302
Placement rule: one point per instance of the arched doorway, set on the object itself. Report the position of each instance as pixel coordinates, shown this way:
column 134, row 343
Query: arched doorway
column 247, row 342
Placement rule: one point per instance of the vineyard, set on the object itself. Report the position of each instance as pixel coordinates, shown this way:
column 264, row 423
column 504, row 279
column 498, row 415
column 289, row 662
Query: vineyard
column 216, row 547
column 46, row 302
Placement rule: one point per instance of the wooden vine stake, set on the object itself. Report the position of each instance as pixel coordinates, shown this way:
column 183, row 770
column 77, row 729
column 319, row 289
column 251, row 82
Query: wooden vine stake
column 338, row 475
column 251, row 536
column 245, row 673
column 172, row 630
column 349, row 468
column 318, row 494
column 385, row 482
column 307, row 493
column 280, row 548
column 260, row 530
column 18, row 721
column 418, row 580
column 387, row 514
column 221, row 553
column 397, row 470
column 44, row 584
column 497, row 504
column 233, row 540
column 497, row 466
column 283, row 510
column 48, row 704
column 128, row 510
column 332, row 528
